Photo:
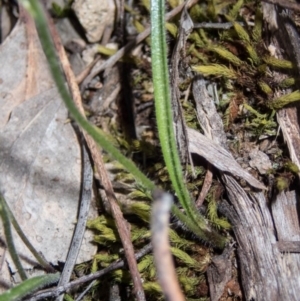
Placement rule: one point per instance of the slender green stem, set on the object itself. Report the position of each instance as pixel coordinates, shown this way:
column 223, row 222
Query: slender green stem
column 194, row 221
column 209, row 237
column 29, row 286
column 9, row 238
column 31, row 248
column 163, row 107
column 40, row 19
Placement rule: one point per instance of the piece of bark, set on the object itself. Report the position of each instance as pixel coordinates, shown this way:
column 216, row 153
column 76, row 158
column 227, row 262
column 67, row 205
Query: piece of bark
column 285, row 214
column 288, row 246
column 205, row 106
column 209, row 119
column 219, row 273
column 287, row 38
column 220, row 158
column 264, row 275
column 180, row 126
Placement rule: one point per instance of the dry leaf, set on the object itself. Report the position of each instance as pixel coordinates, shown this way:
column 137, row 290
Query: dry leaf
column 40, row 158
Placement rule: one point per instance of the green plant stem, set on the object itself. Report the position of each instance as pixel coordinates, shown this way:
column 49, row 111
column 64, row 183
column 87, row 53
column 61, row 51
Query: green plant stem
column 29, row 286
column 25, row 240
column 9, row 239
column 163, row 108
column 209, row 237
column 194, row 221
column 40, row 19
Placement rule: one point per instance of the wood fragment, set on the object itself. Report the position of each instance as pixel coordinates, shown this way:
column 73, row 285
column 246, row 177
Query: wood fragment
column 208, row 117
column 285, row 4
column 205, row 187
column 219, row 273
column 220, row 158
column 262, row 275
column 288, row 246
column 285, row 215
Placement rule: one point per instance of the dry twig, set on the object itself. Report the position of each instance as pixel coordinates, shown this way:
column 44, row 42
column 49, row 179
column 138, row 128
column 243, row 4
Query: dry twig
column 54, row 292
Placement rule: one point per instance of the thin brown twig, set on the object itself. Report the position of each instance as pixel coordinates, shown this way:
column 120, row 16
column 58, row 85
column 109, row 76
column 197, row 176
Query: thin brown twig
column 116, row 212
column 161, row 247
column 54, row 292
column 205, row 187
column 85, row 72
column 285, row 4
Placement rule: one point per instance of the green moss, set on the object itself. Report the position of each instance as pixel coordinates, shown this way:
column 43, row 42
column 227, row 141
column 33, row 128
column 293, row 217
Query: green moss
column 281, row 183
column 216, row 70
column 225, row 54
column 277, row 63
column 288, row 82
column 257, row 30
column 234, row 12
column 291, row 166
column 284, row 100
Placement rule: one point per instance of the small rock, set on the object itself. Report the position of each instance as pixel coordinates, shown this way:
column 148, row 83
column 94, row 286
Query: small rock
column 95, row 17
column 260, row 161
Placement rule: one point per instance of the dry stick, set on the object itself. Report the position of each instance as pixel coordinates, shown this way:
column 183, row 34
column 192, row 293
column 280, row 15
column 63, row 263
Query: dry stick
column 161, row 247
column 210, row 124
column 121, row 52
column 205, row 187
column 285, row 4
column 85, row 201
column 114, row 266
column 85, row 72
column 116, row 212
column 225, row 25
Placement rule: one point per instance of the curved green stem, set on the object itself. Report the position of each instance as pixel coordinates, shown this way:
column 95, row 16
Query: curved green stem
column 9, row 238
column 163, row 108
column 29, row 286
column 164, row 120
column 28, row 244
